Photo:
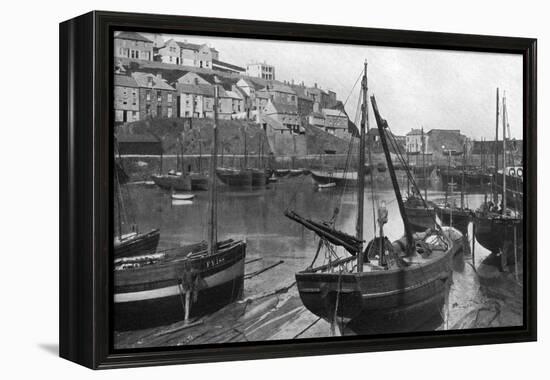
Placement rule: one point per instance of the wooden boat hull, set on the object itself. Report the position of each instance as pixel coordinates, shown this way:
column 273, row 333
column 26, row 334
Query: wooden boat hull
column 140, row 245
column 493, row 234
column 380, row 301
column 281, row 172
column 339, row 180
column 198, row 181
column 259, row 178
column 460, row 218
column 152, row 295
column 173, row 182
column 420, row 218
column 235, row 178
column 295, row 172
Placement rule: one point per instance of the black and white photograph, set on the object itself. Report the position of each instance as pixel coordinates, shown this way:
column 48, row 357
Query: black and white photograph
column 269, row 190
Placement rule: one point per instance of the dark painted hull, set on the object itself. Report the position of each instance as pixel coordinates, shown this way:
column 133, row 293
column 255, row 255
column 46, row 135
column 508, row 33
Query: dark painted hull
column 173, row 182
column 259, row 178
column 460, row 218
column 140, row 245
column 198, row 181
column 493, row 233
column 281, row 172
column 153, row 295
column 380, row 301
column 235, row 178
column 420, row 218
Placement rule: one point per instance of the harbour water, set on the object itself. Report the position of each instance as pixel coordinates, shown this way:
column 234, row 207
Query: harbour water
column 277, row 248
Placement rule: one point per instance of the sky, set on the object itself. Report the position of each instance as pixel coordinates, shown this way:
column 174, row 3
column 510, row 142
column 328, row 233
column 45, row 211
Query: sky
column 413, row 87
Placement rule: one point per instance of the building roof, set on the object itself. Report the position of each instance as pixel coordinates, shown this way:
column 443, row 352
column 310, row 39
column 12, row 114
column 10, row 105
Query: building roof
column 230, row 94
column 189, row 46
column 278, row 87
column 125, row 81
column 196, row 89
column 334, row 113
column 273, row 123
column 132, row 36
column 142, row 80
column 289, row 109
column 228, row 65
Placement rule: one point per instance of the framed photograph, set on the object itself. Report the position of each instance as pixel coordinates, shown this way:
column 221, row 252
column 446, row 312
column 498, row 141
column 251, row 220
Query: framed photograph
column 235, row 189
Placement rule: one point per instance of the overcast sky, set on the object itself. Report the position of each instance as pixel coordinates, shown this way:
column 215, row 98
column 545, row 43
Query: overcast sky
column 413, row 87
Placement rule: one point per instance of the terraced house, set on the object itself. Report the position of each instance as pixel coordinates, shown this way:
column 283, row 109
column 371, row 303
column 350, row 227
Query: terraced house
column 133, row 45
column 156, row 97
column 126, row 104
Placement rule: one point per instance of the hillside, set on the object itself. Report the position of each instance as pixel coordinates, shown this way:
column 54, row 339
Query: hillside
column 231, row 136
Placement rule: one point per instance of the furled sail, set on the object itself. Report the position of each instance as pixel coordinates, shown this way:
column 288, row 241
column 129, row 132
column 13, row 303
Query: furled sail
column 325, row 231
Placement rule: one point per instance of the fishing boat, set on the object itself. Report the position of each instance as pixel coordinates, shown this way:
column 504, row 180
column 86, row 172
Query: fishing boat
column 245, row 177
column 339, row 178
column 495, row 224
column 136, row 244
column 452, row 215
column 239, row 178
column 184, row 282
column 326, row 185
column 420, row 211
column 173, row 180
column 387, row 287
column 132, row 243
column 281, row 172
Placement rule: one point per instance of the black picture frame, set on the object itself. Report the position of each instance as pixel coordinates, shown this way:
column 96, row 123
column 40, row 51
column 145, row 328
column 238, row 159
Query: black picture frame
column 86, row 79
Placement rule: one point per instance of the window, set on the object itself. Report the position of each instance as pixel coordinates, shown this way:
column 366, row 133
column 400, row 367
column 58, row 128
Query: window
column 169, row 98
column 148, row 109
column 159, row 110
column 148, row 95
column 159, row 96
column 169, row 112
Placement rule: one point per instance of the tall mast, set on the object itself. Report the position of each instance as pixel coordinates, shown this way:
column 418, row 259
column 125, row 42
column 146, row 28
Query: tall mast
column 495, row 195
column 245, row 149
column 424, row 165
column 504, row 153
column 463, row 181
column 382, row 125
column 213, row 217
column 200, row 151
column 361, row 172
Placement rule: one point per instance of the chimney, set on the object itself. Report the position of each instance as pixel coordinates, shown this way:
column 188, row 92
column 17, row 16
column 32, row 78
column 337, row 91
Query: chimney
column 315, row 84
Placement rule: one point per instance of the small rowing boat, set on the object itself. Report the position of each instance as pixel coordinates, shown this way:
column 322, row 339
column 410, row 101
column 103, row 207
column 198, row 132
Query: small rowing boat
column 326, row 185
column 182, row 196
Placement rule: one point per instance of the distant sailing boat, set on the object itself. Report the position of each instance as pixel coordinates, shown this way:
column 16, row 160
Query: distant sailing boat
column 496, row 225
column 132, row 243
column 244, row 177
column 451, row 214
column 183, row 282
column 385, row 287
column 174, row 180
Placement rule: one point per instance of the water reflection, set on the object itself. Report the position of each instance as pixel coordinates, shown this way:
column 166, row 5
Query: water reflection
column 257, row 216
